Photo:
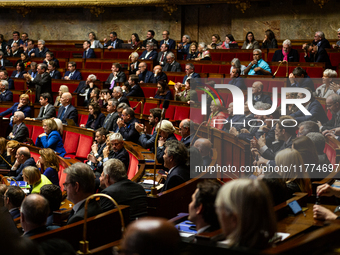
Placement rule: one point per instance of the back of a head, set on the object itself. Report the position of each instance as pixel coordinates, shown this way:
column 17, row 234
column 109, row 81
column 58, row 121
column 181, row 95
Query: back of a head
column 307, row 149
column 151, row 236
column 35, row 209
column 53, row 195
column 319, row 141
column 83, row 174
column 16, row 195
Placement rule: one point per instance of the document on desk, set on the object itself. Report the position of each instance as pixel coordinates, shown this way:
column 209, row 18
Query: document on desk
column 281, row 236
column 149, row 182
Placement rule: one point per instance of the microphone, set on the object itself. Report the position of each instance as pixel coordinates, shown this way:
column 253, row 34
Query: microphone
column 166, row 104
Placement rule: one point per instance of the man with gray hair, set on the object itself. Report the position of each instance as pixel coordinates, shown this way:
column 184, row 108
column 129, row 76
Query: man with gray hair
column 204, row 146
column 332, row 104
column 115, row 149
column 287, row 53
column 307, row 127
column 319, row 140
column 258, row 66
column 85, row 87
column 23, row 159
column 110, row 122
column 184, row 130
column 5, row 94
column 127, row 124
column 41, row 50
column 115, row 183
column 4, row 62
column 149, row 53
column 143, row 74
column 80, row 185
column 171, row 64
column 20, row 131
column 119, row 96
column 321, row 41
column 33, row 71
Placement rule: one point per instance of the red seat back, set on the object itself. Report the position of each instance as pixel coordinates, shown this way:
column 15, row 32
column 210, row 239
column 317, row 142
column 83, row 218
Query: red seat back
column 36, row 156
column 84, row 147
column 148, row 107
column 83, row 119
column 71, row 142
column 133, row 104
column 133, row 167
column 36, row 132
column 62, row 176
column 182, row 112
column 149, row 92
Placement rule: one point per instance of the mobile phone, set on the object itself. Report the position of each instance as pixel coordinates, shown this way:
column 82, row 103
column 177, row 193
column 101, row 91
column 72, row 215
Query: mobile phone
column 295, row 207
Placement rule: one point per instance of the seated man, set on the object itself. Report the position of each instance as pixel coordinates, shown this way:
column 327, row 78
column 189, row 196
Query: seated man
column 126, row 125
column 88, row 52
column 237, row 122
column 4, row 76
column 136, row 90
column 143, row 74
column 23, row 159
column 79, row 185
column 110, row 122
column 4, row 62
column 319, row 140
column 158, row 75
column 85, row 88
column 161, row 58
column 115, row 183
column 300, row 78
column 287, row 53
column 166, row 40
column 321, row 41
column 50, row 57
column 47, row 110
column 149, row 53
column 13, row 198
column 5, row 94
column 34, row 212
column 175, row 159
column 184, row 130
column 115, row 76
column 150, row 39
column 53, row 195
column 333, row 105
column 202, row 207
column 33, row 71
column 171, row 64
column 67, row 110
column 14, row 51
column 258, row 66
column 29, row 49
column 236, row 79
column 119, row 95
column 55, row 74
column 113, row 43
column 204, row 146
column 307, row 127
column 41, row 50
column 316, row 54
column 258, row 96
column 20, row 131
column 21, row 106
column 190, row 73
column 72, row 73
column 97, row 148
column 15, row 39
column 320, row 212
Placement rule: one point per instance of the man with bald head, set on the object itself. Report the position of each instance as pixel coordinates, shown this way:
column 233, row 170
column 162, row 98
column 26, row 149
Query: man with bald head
column 20, row 131
column 23, row 159
column 258, row 96
column 184, row 130
column 143, row 74
column 158, row 75
column 67, row 110
column 204, row 146
column 151, row 236
column 34, row 212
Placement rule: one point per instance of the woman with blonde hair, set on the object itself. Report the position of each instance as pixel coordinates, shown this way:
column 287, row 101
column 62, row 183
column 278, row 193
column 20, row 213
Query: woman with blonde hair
column 51, row 138
column 5, row 157
column 294, row 172
column 324, row 90
column 62, row 89
column 33, row 177
column 245, row 227
column 48, row 163
column 12, row 147
column 166, row 133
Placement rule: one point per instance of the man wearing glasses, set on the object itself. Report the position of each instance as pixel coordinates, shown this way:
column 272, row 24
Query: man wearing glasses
column 258, row 66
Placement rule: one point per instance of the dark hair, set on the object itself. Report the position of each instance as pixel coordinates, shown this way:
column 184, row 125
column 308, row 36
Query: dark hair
column 289, row 124
column 72, row 63
column 117, row 65
column 137, row 37
column 96, row 108
column 16, row 195
column 130, row 111
column 270, row 34
column 94, row 35
column 231, row 37
column 177, row 150
column 164, row 86
column 52, row 63
column 53, row 195
column 127, row 85
column 26, row 56
column 247, row 41
column 2, row 37
column 46, row 96
column 152, row 32
column 134, row 78
column 238, row 70
column 50, row 53
column 102, row 131
column 22, row 66
column 113, row 33
column 298, row 71
column 88, row 42
column 16, row 32
column 30, row 40
column 156, row 112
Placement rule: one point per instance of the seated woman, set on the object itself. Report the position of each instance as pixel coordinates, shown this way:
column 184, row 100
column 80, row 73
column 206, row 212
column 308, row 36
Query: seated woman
column 19, row 72
column 60, row 126
column 33, row 177
column 134, row 63
column 163, row 91
column 94, row 96
column 324, row 90
column 96, row 117
column 12, row 147
column 48, row 164
column 51, row 138
column 203, row 53
column 184, row 46
column 216, row 114
column 189, row 93
column 269, row 41
column 105, row 95
column 25, row 59
column 94, row 42
column 215, row 42
column 62, row 89
column 250, row 43
column 5, row 158
column 192, row 53
column 166, row 133
column 243, row 227
column 135, row 41
column 236, row 63
column 228, row 43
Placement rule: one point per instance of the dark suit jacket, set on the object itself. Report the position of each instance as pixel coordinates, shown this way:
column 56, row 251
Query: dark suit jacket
column 171, row 43
column 324, row 44
column 264, row 99
column 123, row 99
column 17, row 54
column 15, row 213
column 235, row 119
column 90, row 54
column 175, row 67
column 147, row 141
column 41, row 54
column 317, row 111
column 122, row 155
column 129, row 132
column 71, row 113
column 10, row 41
column 30, row 72
column 25, row 109
column 56, row 62
column 186, row 141
column 118, row 43
column 56, row 75
column 329, row 124
column 6, row 96
column 238, row 82
column 194, row 75
column 153, row 55
column 159, row 57
column 120, row 78
column 136, row 91
column 320, row 56
column 49, row 113
column 177, row 176
column 43, row 84
column 293, row 56
column 147, row 78
column 153, row 40
column 270, row 153
column 18, row 173
column 21, row 134
column 21, row 74
column 10, row 84
column 98, row 122
column 75, row 76
column 160, row 150
column 303, row 82
column 110, row 122
column 126, row 192
column 6, row 63
column 160, row 77
column 92, row 210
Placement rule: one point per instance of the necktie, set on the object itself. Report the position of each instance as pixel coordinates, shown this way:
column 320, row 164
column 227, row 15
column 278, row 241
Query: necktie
column 70, row 75
column 43, row 112
column 62, row 113
column 106, row 120
column 86, row 54
column 112, row 84
column 15, row 130
column 162, row 57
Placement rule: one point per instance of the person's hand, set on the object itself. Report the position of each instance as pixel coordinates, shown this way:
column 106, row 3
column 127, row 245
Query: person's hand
column 33, row 54
column 110, row 47
column 319, row 123
column 262, row 141
column 188, row 102
column 16, row 164
column 91, row 84
column 254, row 143
column 244, row 131
column 67, row 78
column 129, row 41
column 325, row 132
column 334, row 46
column 120, row 123
column 304, row 46
column 161, row 142
column 38, row 164
column 197, row 59
column 336, row 131
column 233, row 131
column 262, row 161
column 157, row 71
column 94, row 148
column 335, row 87
column 9, row 50
column 141, row 82
column 82, row 125
column 41, row 135
column 254, row 62
column 138, row 72
column 20, row 105
column 257, row 69
column 327, row 190
column 106, row 152
column 92, row 158
column 11, row 135
column 265, row 128
column 219, row 47
column 291, row 78
column 179, row 46
column 132, row 67
column 322, row 213
column 105, row 40
column 139, row 127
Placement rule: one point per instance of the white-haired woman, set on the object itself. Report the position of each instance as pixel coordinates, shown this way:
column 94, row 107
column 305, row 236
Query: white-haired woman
column 324, row 90
column 236, row 63
column 134, row 62
column 203, row 53
column 217, row 117
column 166, row 133
column 62, row 89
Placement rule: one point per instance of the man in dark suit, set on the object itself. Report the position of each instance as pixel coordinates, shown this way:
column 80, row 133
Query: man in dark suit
column 115, row 183
column 4, row 62
column 149, row 38
column 4, row 76
column 161, row 57
column 158, row 75
column 33, row 71
column 29, row 49
column 50, row 57
column 47, row 110
column 20, row 131
column 80, row 185
column 110, row 122
column 41, row 50
column 42, row 82
column 67, row 111
column 258, row 96
column 332, row 104
column 72, row 73
column 23, row 159
column 15, row 51
column 115, row 76
column 15, row 39
column 321, row 41
column 149, row 53
column 184, row 130
column 190, row 73
column 175, row 158
column 55, row 74
column 236, row 79
column 119, row 96
column 113, row 43
column 171, row 65
column 317, row 54
column 291, row 55
column 97, row 148
column 136, row 90
column 143, row 74
column 5, row 94
column 88, row 52
column 126, row 125
column 22, row 105
column 300, row 78
column 171, row 43
column 13, row 198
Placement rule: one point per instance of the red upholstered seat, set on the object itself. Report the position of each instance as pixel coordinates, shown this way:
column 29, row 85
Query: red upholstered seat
column 334, row 57
column 228, row 56
column 82, row 119
column 30, row 129
column 209, row 68
column 170, row 112
column 133, row 167
column 16, row 97
column 106, row 66
column 19, row 84
column 196, row 116
column 133, row 104
column 244, row 56
column 182, row 113
column 179, row 137
column 62, row 54
column 147, row 107
column 71, row 142
column 36, row 132
column 110, row 54
column 149, row 92
column 331, row 153
column 198, row 68
column 275, row 84
column 92, row 65
column 35, row 156
column 225, row 69
column 84, row 147
column 270, row 56
column 314, row 72
column 123, row 55
column 199, row 94
column 62, row 177
column 215, row 56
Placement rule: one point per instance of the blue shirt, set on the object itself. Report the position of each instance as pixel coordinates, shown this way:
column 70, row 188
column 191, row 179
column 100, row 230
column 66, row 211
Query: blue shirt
column 261, row 63
column 52, row 175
